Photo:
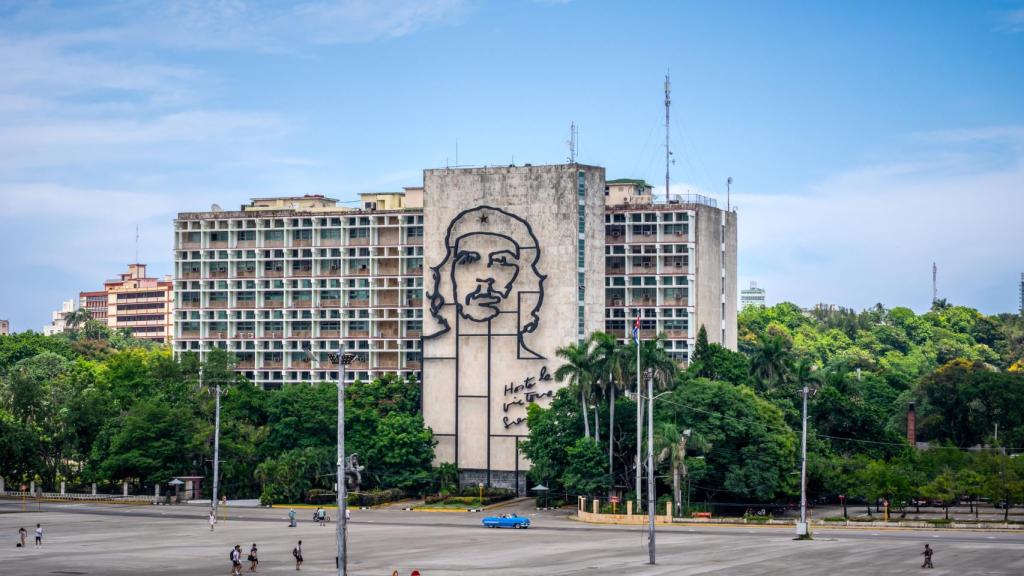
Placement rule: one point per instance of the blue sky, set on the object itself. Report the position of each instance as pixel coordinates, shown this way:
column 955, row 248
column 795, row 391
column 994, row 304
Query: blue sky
column 866, row 139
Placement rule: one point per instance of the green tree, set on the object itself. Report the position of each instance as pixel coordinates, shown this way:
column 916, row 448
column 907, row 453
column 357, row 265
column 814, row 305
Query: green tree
column 770, row 361
column 700, row 349
column 944, row 488
column 578, row 371
column 585, row 473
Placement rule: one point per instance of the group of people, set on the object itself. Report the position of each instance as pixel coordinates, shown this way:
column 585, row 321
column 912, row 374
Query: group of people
column 23, row 536
column 236, row 559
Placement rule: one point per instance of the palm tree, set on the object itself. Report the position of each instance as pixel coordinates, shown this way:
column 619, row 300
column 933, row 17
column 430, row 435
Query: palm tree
column 805, row 373
column 653, row 356
column 578, row 370
column 770, row 362
column 609, row 355
column 77, row 318
column 670, row 443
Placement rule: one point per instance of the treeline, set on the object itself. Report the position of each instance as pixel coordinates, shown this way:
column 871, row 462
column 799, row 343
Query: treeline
column 727, row 427
column 95, row 406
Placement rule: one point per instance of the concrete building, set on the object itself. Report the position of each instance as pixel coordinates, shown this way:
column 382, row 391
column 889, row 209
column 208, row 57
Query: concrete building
column 516, row 269
column 752, row 296
column 671, row 263
column 57, row 318
column 136, row 303
column 470, row 282
column 5, row 327
column 283, row 275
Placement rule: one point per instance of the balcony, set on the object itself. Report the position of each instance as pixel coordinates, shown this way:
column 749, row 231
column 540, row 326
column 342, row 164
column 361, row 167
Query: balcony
column 414, row 302
column 190, row 275
column 358, row 364
column 412, row 365
column 302, row 242
column 218, row 273
column 676, row 334
column 246, row 274
column 330, row 333
column 387, row 333
column 413, row 333
column 363, row 241
column 300, row 364
column 245, row 304
column 245, row 244
column 191, row 245
column 273, row 334
column 414, row 240
column 358, row 333
column 387, row 270
column 273, row 243
column 364, row 271
column 358, row 303
column 302, row 272
column 218, row 244
column 189, row 304
column 330, row 241
column 219, row 304
column 302, row 333
column 387, row 299
column 273, row 304
column 302, row 304
column 190, row 333
column 271, row 363
column 273, row 273
column 246, row 364
column 417, row 271
column 330, row 303
column 218, row 334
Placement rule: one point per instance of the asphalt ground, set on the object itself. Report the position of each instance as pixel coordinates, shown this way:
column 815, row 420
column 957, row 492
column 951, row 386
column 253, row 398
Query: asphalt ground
column 118, row 540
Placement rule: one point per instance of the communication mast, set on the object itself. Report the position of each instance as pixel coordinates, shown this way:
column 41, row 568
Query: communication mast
column 668, row 150
column 935, row 284
column 572, row 143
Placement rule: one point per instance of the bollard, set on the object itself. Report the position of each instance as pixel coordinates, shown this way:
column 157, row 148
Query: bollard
column 1, row 484
column 124, row 486
column 93, row 488
column 629, row 508
column 32, row 487
column 156, row 493
column 668, row 511
column 597, row 503
column 62, row 487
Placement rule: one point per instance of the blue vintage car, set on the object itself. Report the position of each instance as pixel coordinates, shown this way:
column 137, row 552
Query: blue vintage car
column 506, row 521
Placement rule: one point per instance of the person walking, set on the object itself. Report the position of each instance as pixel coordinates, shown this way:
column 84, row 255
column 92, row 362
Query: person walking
column 236, row 560
column 297, row 553
column 212, row 520
column 39, row 535
column 928, row 551
column 23, row 536
column 291, row 518
column 321, row 515
column 254, row 558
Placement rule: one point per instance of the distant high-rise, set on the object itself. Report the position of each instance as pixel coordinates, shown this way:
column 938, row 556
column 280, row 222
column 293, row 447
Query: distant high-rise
column 1021, row 303
column 5, row 327
column 57, row 324
column 752, row 296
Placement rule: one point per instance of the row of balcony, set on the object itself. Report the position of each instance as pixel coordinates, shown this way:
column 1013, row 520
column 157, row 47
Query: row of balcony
column 384, row 301
column 297, row 334
column 304, row 272
column 302, row 243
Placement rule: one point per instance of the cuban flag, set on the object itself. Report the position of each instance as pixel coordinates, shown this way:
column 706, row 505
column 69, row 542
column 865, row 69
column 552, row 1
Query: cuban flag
column 636, row 330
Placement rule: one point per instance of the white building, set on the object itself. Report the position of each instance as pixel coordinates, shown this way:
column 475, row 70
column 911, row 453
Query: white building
column 57, row 317
column 752, row 296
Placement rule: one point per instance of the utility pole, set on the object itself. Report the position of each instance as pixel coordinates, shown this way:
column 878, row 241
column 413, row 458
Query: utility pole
column 651, row 502
column 216, row 452
column 801, row 528
column 342, row 359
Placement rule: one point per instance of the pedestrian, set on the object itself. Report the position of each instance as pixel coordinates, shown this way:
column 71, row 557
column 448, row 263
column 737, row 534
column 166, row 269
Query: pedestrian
column 291, row 518
column 236, row 560
column 23, row 536
column 321, row 515
column 212, row 520
column 927, row 557
column 254, row 558
column 297, row 552
column 39, row 535
column 348, row 514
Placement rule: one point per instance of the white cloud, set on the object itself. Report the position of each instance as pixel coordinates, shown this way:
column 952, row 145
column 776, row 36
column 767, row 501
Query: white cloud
column 1011, row 21
column 873, row 232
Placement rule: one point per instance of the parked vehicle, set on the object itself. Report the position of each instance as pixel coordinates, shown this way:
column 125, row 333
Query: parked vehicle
column 506, row 521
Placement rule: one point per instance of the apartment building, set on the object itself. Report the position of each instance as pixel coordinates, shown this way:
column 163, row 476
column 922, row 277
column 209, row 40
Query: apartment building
column 281, row 281
column 139, row 304
column 671, row 262
column 5, row 327
column 753, row 296
column 57, row 323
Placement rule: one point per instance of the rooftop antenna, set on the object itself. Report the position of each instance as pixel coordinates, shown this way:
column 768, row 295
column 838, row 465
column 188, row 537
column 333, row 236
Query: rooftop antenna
column 728, row 193
column 668, row 150
column 935, row 284
column 572, row 143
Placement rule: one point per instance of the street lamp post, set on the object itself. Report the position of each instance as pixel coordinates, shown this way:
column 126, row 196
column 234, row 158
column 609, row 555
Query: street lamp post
column 342, row 359
column 801, row 527
column 216, row 453
column 650, row 460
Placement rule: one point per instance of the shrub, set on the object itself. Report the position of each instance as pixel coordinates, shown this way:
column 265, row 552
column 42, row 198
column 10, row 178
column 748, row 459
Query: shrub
column 376, row 497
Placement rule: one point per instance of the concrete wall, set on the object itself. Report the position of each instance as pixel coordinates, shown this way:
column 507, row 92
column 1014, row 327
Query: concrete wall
column 486, row 358
column 715, row 274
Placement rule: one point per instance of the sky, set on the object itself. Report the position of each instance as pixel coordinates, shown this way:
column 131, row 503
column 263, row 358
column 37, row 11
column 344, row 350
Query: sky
column 866, row 139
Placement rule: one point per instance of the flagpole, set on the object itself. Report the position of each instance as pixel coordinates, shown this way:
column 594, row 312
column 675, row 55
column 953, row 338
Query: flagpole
column 639, row 417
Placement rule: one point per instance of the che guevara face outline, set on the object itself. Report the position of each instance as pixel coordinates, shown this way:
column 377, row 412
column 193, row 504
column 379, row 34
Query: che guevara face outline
column 485, row 267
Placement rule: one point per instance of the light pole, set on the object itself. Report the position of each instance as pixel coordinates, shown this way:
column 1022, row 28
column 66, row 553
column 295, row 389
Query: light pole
column 340, row 359
column 216, row 452
column 649, row 373
column 801, row 528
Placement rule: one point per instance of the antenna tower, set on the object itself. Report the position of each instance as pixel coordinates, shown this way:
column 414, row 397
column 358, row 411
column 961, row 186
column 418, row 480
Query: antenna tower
column 668, row 150
column 572, row 143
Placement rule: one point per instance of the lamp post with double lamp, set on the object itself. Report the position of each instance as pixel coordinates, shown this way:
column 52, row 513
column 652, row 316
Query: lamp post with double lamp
column 340, row 359
column 802, row 531
column 651, row 499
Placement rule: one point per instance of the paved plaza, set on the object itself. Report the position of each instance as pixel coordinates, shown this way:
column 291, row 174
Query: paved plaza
column 156, row 540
